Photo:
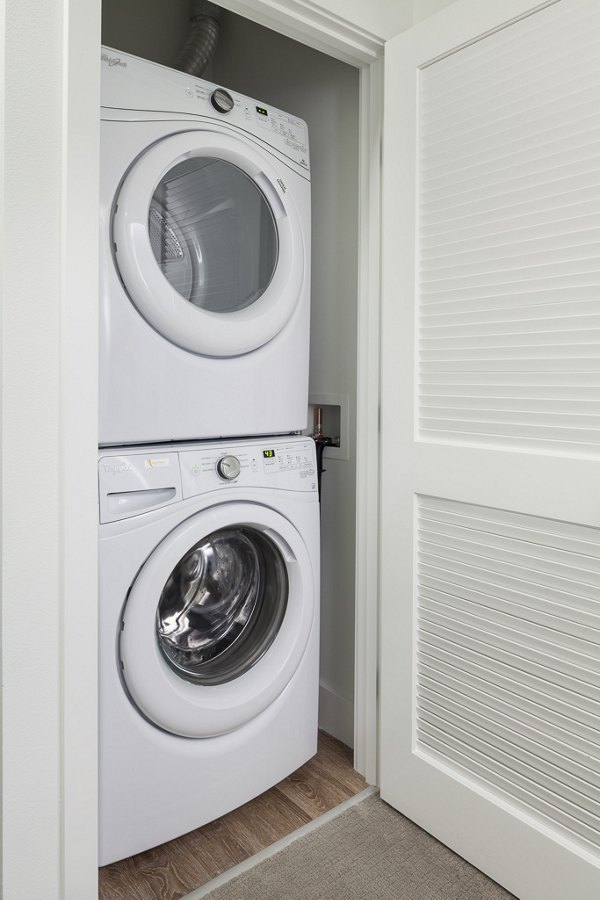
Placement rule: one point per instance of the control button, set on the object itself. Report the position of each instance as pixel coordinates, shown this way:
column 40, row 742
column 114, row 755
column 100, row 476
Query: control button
column 228, row 467
column 222, row 100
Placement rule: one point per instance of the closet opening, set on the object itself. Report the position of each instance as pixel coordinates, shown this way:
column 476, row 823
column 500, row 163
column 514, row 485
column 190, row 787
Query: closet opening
column 280, row 72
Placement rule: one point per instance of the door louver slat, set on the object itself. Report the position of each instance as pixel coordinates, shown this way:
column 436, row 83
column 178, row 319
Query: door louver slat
column 556, row 735
column 521, row 788
column 509, row 223
column 508, row 656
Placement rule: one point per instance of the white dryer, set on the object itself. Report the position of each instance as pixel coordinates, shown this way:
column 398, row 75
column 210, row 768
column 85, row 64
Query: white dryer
column 209, row 631
column 204, row 259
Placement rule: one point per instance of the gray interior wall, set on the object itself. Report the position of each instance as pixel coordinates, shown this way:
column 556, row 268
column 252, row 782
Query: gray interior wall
column 152, row 29
column 323, row 91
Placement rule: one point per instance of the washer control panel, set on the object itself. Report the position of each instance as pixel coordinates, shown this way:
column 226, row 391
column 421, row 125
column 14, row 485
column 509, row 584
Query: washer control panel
column 138, row 480
column 228, row 468
column 287, row 458
column 286, row 464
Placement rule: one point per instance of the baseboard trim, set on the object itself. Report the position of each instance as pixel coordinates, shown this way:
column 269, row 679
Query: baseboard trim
column 336, row 715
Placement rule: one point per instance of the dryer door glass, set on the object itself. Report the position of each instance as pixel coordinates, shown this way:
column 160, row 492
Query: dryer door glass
column 222, row 606
column 213, row 234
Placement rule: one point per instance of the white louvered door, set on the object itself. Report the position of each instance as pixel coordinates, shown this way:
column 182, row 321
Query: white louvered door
column 490, row 671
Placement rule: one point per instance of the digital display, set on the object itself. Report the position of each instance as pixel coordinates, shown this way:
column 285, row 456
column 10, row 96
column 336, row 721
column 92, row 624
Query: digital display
column 262, row 111
column 268, row 454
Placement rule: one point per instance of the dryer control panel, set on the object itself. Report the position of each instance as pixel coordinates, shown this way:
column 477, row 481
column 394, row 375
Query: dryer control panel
column 130, row 83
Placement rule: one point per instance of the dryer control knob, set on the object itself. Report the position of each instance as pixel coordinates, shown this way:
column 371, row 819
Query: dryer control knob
column 228, row 467
column 222, row 100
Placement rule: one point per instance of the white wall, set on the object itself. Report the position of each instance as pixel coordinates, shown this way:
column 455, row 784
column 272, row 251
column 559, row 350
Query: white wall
column 324, row 92
column 383, row 18
column 424, row 8
column 49, row 187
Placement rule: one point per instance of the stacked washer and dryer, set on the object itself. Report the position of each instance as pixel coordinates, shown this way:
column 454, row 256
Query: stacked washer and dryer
column 208, row 504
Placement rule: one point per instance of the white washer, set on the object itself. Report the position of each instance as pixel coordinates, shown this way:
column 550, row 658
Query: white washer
column 209, row 631
column 204, row 259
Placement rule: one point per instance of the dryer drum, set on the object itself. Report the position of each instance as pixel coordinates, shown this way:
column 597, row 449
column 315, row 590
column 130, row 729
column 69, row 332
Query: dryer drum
column 164, row 241
column 213, row 234
column 222, row 606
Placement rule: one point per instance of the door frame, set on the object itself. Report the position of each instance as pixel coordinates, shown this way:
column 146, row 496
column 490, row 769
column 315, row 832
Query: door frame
column 49, row 422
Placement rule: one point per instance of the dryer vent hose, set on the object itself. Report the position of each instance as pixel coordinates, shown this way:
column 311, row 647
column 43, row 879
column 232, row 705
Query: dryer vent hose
column 202, row 39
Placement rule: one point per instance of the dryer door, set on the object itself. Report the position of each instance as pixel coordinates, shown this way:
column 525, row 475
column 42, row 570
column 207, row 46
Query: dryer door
column 217, row 621
column 208, row 242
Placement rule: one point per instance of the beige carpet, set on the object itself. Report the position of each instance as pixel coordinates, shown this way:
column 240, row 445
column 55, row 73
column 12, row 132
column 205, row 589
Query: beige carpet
column 369, row 851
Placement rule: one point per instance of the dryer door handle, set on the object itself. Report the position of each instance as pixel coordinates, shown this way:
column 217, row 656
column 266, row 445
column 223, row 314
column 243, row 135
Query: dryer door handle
column 274, row 200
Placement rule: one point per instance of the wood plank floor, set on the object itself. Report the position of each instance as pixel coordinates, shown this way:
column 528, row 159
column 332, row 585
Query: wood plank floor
column 174, row 869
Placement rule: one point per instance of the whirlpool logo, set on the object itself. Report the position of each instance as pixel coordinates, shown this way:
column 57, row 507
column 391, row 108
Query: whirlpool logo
column 117, row 468
column 113, row 61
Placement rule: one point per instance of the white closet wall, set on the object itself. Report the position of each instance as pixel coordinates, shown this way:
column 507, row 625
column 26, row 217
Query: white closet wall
column 421, row 9
column 383, row 18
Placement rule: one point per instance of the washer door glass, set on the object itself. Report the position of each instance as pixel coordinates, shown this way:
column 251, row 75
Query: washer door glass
column 222, row 606
column 218, row 619
column 213, row 234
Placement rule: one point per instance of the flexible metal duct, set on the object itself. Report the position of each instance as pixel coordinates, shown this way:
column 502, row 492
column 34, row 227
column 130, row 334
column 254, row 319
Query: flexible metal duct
column 202, row 39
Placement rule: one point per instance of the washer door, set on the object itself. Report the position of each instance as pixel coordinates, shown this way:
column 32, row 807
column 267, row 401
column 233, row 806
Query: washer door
column 208, row 244
column 217, row 620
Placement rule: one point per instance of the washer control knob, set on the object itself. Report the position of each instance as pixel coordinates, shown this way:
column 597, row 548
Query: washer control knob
column 222, row 100
column 228, row 468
